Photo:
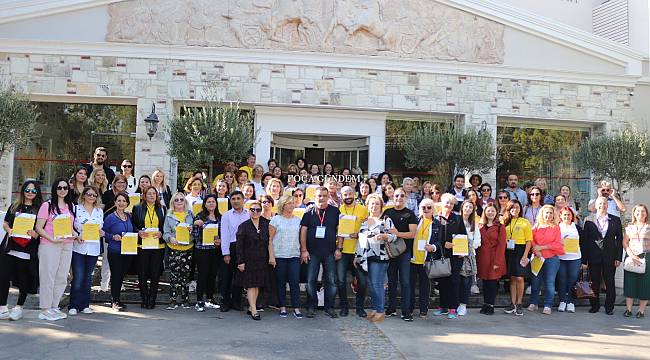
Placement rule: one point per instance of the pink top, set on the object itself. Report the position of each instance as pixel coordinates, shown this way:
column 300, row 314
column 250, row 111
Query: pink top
column 49, row 227
column 551, row 237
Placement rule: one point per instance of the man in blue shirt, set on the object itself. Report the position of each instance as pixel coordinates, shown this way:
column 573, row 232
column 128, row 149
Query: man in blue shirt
column 515, row 191
column 318, row 246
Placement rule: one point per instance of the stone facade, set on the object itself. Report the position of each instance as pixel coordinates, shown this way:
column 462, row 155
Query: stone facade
column 166, row 82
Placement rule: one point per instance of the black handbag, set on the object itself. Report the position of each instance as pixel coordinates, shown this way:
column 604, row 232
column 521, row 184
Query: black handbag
column 583, row 288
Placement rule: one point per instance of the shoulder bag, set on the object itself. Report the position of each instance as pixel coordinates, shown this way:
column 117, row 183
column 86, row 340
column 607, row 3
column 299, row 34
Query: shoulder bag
column 438, row 268
column 630, row 266
column 395, row 248
column 582, row 288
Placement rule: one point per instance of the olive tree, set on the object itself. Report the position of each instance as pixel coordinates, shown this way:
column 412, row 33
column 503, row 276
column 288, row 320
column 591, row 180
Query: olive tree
column 18, row 120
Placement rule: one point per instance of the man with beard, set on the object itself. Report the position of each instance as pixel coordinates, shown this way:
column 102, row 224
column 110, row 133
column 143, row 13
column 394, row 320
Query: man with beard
column 350, row 211
column 100, row 156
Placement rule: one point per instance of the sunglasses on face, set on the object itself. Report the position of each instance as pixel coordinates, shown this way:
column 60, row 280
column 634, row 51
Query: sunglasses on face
column 436, row 192
column 33, row 191
column 265, row 202
column 503, row 197
column 428, row 207
column 62, row 188
column 178, row 200
column 535, row 194
column 399, row 195
column 255, row 210
column 298, row 195
column 485, row 190
column 91, row 195
column 127, row 166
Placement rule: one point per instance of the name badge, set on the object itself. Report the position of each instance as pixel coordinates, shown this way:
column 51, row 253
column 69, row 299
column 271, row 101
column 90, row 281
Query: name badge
column 320, row 232
column 511, row 244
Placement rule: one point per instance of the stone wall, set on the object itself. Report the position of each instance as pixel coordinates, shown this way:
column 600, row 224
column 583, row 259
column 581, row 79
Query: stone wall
column 163, row 82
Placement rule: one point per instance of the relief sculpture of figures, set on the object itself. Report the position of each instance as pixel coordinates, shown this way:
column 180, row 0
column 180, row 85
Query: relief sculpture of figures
column 417, row 29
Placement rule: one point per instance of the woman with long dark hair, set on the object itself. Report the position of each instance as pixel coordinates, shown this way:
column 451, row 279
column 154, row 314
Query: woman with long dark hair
column 519, row 237
column 78, row 181
column 19, row 251
column 207, row 253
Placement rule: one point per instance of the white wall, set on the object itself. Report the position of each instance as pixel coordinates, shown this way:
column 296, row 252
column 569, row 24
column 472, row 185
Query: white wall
column 639, row 25
column 576, row 13
column 641, row 114
column 82, row 25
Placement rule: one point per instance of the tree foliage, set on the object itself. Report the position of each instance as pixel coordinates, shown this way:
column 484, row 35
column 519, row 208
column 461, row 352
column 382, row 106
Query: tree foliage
column 461, row 151
column 18, row 120
column 200, row 136
column 620, row 157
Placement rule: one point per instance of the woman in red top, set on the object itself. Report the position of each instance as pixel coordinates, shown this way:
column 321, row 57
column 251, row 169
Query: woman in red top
column 547, row 244
column 490, row 257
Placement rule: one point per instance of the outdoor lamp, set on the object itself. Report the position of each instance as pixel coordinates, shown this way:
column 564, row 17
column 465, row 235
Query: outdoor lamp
column 151, row 122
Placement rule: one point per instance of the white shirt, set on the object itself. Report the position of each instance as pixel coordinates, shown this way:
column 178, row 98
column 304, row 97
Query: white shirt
column 131, row 184
column 570, row 231
column 90, row 248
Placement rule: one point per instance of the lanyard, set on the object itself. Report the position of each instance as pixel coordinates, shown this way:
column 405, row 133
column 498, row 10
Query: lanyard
column 512, row 228
column 319, row 217
column 151, row 214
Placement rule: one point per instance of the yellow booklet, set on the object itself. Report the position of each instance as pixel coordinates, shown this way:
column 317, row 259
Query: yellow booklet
column 222, row 204
column 183, row 233
column 461, row 245
column 536, row 264
column 62, row 225
column 274, row 208
column 289, row 191
column 299, row 212
column 22, row 224
column 210, row 232
column 134, row 199
column 346, row 225
column 90, row 232
column 571, row 245
column 310, row 192
column 197, row 207
column 150, row 242
column 129, row 244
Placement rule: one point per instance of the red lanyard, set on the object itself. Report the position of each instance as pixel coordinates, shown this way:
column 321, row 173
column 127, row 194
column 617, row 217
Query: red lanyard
column 319, row 217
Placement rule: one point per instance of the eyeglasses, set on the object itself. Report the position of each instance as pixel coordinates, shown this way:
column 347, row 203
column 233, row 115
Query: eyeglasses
column 62, row 188
column 33, row 191
column 399, row 195
column 178, row 200
column 255, row 210
column 535, row 194
column 298, row 195
column 485, row 190
column 435, row 192
column 91, row 195
column 127, row 166
column 428, row 207
column 265, row 202
column 503, row 197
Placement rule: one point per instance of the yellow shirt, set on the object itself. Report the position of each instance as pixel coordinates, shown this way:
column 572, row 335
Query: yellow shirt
column 249, row 170
column 520, row 230
column 151, row 220
column 180, row 217
column 422, row 234
column 361, row 213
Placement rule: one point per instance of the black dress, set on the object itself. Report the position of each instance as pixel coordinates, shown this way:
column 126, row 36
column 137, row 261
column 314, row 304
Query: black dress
column 253, row 251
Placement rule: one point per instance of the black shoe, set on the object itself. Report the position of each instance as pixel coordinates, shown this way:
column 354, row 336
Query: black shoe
column 331, row 313
column 594, row 310
column 511, row 309
column 256, row 317
column 489, row 310
column 310, row 313
column 483, row 309
column 627, row 313
column 609, row 311
column 640, row 315
column 224, row 308
column 362, row 313
column 259, row 308
column 344, row 312
column 407, row 317
column 391, row 312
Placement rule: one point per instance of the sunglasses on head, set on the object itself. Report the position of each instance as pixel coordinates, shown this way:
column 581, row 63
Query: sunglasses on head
column 62, row 188
column 33, row 191
column 255, row 210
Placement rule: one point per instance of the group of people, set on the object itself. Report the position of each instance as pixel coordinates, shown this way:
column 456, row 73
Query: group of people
column 263, row 230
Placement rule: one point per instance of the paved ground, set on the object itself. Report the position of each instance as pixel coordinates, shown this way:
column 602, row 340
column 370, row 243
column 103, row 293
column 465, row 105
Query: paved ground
column 186, row 334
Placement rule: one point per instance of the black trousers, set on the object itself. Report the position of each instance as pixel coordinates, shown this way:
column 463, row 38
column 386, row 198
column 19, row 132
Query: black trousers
column 230, row 292
column 490, row 288
column 13, row 268
column 419, row 275
column 449, row 286
column 150, row 262
column 208, row 263
column 119, row 265
column 600, row 272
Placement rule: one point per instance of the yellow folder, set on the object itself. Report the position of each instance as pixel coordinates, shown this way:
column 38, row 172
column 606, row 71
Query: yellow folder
column 183, row 233
column 129, row 244
column 310, row 192
column 134, row 199
column 90, row 232
column 150, row 242
column 22, row 224
column 536, row 264
column 346, row 225
column 299, row 212
column 210, row 231
column 197, row 207
column 571, row 245
column 461, row 245
column 62, row 226
column 222, row 204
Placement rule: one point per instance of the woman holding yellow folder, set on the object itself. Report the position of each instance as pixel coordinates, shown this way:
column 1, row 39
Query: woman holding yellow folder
column 207, row 252
column 19, row 249
column 176, row 234
column 54, row 225
column 88, row 223
column 570, row 262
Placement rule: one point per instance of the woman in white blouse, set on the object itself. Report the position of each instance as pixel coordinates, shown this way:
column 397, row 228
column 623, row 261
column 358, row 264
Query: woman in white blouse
column 85, row 252
column 468, row 271
column 570, row 262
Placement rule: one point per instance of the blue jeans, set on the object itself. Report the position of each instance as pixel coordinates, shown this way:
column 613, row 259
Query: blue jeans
column 376, row 278
column 329, row 280
column 567, row 275
column 400, row 266
column 342, row 267
column 288, row 270
column 82, row 275
column 547, row 275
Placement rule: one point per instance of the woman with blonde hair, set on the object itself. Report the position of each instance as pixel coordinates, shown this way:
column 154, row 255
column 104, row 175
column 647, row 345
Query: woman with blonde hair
column 636, row 243
column 159, row 182
column 274, row 188
column 98, row 179
column 547, row 245
column 180, row 254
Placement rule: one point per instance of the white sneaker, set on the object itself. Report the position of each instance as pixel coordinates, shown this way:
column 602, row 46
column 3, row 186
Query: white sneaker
column 546, row 311
column 48, row 315
column 570, row 308
column 103, row 288
column 4, row 315
column 462, row 310
column 16, row 313
column 475, row 290
column 528, row 290
column 87, row 310
column 72, row 312
column 60, row 313
column 561, row 307
column 211, row 305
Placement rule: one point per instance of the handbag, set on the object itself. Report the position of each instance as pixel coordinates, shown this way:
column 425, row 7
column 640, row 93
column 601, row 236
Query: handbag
column 438, row 268
column 469, row 266
column 395, row 248
column 582, row 288
column 630, row 266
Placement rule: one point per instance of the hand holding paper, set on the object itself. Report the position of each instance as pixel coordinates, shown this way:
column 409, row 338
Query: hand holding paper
column 183, row 233
column 460, row 245
column 90, row 232
column 23, row 224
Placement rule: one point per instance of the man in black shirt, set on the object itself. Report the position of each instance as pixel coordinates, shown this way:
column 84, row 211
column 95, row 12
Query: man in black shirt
column 100, row 156
column 318, row 246
column 406, row 224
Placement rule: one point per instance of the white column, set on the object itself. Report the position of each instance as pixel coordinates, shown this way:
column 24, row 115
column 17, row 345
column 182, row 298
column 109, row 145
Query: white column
column 262, row 148
column 376, row 153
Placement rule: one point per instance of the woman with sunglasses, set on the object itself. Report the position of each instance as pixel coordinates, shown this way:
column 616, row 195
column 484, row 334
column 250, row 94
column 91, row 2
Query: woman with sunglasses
column 17, row 253
column 229, row 178
column 535, row 203
column 519, row 237
column 149, row 214
column 85, row 253
column 207, row 254
column 299, row 198
column 253, row 256
column 115, row 226
column 486, row 195
column 421, row 247
column 78, row 182
column 54, row 251
column 502, row 203
column 98, row 178
column 127, row 171
column 490, row 257
column 267, row 206
column 179, row 256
